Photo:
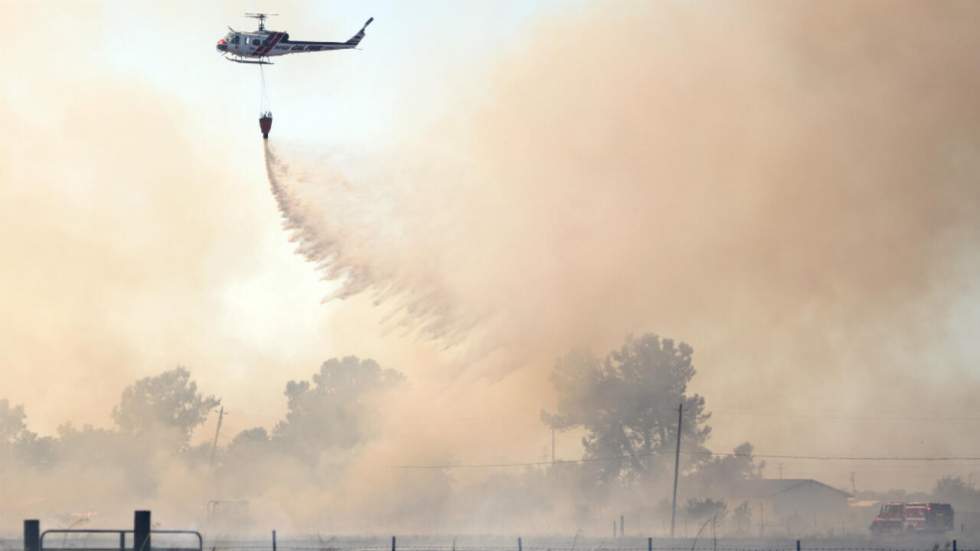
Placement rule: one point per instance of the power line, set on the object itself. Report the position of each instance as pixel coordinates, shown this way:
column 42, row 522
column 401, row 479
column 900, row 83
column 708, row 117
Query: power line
column 859, row 457
column 881, row 458
column 858, row 419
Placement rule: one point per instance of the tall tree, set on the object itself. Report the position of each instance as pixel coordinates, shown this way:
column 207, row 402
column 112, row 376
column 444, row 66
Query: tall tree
column 332, row 411
column 627, row 403
column 168, row 402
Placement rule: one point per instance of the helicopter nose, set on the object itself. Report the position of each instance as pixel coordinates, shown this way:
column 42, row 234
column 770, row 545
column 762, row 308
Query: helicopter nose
column 222, row 46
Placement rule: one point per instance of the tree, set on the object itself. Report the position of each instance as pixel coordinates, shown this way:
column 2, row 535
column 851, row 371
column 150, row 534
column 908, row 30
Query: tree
column 12, row 422
column 248, row 444
column 169, row 402
column 718, row 473
column 17, row 442
column 627, row 404
column 954, row 490
column 332, row 412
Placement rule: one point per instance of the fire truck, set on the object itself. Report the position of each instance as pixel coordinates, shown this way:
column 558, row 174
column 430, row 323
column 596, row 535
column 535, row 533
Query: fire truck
column 913, row 518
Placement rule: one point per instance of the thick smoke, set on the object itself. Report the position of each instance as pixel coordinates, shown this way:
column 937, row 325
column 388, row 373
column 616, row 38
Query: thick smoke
column 739, row 165
column 790, row 189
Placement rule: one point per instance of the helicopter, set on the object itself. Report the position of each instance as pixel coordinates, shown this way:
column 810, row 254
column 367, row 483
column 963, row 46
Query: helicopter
column 258, row 46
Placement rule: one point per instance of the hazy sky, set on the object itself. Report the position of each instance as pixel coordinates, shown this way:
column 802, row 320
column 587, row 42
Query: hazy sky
column 139, row 232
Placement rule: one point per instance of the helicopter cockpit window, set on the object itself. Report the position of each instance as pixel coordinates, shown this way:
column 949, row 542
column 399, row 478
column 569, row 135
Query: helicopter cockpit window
column 234, row 38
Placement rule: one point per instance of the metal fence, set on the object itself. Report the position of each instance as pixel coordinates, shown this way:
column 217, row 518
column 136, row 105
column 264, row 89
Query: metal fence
column 183, row 540
column 89, row 539
column 497, row 543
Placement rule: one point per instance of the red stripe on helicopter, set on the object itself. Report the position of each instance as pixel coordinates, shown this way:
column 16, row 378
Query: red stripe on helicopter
column 269, row 43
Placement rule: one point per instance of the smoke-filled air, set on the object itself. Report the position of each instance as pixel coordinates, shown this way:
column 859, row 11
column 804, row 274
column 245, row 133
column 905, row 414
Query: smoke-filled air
column 681, row 268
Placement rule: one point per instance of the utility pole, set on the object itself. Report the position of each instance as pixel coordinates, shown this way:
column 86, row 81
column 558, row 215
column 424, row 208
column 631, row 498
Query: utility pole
column 217, row 431
column 762, row 519
column 677, row 461
column 552, row 445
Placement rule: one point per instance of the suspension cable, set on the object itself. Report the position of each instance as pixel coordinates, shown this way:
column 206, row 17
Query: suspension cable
column 264, row 103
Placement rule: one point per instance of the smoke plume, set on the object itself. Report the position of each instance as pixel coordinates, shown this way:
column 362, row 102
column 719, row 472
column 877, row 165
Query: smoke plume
column 766, row 175
column 790, row 189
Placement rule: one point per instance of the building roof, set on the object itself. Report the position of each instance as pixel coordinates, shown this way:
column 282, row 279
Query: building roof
column 758, row 488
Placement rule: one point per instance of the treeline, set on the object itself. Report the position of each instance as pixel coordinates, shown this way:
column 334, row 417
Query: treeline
column 161, row 412
column 624, row 403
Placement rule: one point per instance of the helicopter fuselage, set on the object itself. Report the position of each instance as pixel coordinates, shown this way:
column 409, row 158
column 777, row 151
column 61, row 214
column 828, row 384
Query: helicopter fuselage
column 256, row 45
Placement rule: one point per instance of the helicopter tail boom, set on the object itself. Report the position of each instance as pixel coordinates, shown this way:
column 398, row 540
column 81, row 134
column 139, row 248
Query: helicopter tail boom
column 356, row 39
